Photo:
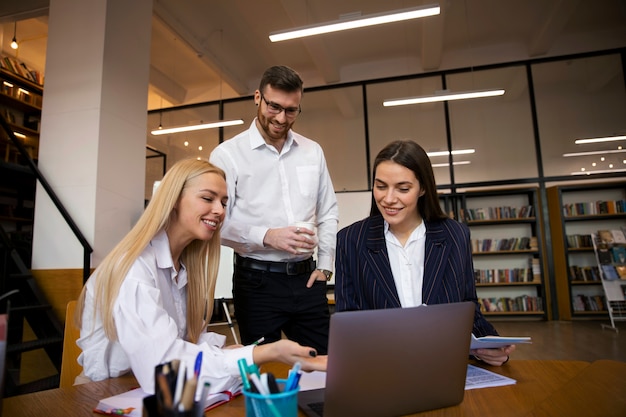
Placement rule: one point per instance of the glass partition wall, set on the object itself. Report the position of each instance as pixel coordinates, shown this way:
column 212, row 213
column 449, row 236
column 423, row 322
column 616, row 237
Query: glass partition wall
column 525, row 136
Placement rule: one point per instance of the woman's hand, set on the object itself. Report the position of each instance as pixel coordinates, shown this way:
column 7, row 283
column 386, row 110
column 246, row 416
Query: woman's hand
column 289, row 352
column 495, row 357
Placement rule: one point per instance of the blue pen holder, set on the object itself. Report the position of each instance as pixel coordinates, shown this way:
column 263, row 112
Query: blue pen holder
column 282, row 404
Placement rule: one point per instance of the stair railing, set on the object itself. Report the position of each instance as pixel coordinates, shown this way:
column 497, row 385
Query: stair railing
column 87, row 249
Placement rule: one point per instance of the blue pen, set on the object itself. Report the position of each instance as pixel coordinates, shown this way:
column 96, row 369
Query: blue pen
column 294, row 377
column 198, row 365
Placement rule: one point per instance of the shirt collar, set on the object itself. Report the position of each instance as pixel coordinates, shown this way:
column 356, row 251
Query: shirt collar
column 163, row 255
column 257, row 140
column 418, row 233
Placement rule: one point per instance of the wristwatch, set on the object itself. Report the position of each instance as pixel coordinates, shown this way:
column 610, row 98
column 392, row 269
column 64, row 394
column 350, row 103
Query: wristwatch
column 327, row 273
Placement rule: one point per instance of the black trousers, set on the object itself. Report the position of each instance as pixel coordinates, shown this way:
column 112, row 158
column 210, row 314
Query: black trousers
column 267, row 303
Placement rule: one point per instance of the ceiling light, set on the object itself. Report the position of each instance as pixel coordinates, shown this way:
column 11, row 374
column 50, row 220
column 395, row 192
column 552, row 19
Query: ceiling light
column 14, row 44
column 446, row 153
column 444, row 95
column 445, row 164
column 599, row 171
column 593, row 153
column 597, row 140
column 201, row 126
column 356, row 22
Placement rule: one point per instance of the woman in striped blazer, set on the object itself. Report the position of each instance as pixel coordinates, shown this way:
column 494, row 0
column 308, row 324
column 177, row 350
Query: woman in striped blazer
column 408, row 252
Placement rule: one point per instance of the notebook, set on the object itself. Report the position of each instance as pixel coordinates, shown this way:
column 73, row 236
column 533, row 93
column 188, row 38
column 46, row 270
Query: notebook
column 394, row 362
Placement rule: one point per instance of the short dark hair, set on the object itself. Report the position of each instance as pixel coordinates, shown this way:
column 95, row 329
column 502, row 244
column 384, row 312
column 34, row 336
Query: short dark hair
column 412, row 156
column 282, row 78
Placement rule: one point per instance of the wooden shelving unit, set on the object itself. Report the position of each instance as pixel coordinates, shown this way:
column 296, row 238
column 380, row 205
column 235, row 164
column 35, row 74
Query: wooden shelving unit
column 509, row 280
column 563, row 222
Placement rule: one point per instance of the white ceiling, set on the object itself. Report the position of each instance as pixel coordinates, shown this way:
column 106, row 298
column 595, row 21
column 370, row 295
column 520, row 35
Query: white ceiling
column 203, row 50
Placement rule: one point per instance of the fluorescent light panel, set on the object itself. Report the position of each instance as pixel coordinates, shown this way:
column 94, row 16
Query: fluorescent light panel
column 446, row 153
column 191, row 128
column 599, row 171
column 357, row 22
column 597, row 140
column 444, row 96
column 566, row 155
column 445, row 164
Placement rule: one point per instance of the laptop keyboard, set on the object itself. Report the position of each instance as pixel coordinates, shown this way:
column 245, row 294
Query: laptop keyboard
column 318, row 408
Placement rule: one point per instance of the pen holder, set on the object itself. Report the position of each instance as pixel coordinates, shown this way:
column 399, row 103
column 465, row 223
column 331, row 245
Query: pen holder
column 151, row 409
column 282, row 404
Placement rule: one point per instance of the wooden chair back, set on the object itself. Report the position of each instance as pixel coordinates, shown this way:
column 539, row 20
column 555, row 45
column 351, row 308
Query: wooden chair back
column 70, row 368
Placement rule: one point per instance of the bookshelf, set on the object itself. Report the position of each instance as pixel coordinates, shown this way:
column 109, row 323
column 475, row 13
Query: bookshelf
column 576, row 212
column 610, row 249
column 20, row 104
column 507, row 251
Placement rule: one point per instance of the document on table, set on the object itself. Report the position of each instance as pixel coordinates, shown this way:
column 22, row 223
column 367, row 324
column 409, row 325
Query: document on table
column 476, row 378
column 482, row 378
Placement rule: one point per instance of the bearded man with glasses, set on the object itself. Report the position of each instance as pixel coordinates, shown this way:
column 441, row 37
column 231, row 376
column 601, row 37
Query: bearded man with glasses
column 276, row 178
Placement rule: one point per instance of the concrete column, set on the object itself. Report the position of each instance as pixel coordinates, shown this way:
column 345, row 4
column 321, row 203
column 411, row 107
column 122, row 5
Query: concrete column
column 93, row 127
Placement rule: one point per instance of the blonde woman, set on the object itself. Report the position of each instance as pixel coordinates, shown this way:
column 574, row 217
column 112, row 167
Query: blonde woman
column 151, row 298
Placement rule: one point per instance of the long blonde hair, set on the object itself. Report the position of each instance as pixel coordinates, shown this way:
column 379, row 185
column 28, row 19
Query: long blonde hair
column 201, row 258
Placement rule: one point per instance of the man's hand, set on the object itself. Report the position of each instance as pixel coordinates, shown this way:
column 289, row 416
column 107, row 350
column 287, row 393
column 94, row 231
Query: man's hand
column 290, row 239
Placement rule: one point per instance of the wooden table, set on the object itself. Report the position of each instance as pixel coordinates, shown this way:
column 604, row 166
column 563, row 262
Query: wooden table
column 544, row 388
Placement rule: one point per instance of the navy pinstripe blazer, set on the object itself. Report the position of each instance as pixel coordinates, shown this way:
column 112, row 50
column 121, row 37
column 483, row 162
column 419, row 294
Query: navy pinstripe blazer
column 363, row 273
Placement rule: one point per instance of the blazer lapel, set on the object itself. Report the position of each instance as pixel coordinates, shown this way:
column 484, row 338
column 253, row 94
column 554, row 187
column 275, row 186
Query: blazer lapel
column 377, row 260
column 437, row 249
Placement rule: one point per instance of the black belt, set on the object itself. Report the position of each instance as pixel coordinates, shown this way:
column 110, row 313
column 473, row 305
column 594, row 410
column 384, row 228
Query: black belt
column 289, row 268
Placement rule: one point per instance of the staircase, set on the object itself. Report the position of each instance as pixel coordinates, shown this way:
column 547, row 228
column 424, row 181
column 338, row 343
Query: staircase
column 29, row 311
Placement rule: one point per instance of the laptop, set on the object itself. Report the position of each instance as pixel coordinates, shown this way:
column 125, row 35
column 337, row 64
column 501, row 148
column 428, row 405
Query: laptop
column 394, row 362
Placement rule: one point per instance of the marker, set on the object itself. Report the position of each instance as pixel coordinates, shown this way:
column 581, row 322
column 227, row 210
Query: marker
column 258, row 342
column 243, row 366
column 198, row 365
column 230, row 322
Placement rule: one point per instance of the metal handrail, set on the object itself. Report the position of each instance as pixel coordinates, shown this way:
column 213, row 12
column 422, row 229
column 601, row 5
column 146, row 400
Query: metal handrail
column 87, row 249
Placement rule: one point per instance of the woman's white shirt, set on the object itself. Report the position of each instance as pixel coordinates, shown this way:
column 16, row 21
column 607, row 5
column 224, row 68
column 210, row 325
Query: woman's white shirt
column 150, row 319
column 407, row 264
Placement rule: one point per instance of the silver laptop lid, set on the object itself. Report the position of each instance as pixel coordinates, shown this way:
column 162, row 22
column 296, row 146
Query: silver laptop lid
column 397, row 361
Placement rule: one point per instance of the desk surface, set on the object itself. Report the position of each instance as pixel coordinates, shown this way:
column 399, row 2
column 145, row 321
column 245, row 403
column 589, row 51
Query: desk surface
column 542, row 389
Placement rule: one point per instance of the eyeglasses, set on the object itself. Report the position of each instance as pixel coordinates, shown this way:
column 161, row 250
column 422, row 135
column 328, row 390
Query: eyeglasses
column 275, row 108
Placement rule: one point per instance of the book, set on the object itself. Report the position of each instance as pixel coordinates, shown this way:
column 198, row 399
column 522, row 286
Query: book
column 609, row 272
column 621, row 271
column 604, row 254
column 618, row 236
column 619, row 254
column 490, row 342
column 605, row 236
column 130, row 403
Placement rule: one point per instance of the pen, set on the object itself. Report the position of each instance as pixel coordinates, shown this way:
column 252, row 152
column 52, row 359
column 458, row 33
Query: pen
column 230, row 322
column 180, row 382
column 202, row 402
column 263, row 390
column 186, row 401
column 198, row 365
column 294, row 377
column 165, row 390
column 258, row 342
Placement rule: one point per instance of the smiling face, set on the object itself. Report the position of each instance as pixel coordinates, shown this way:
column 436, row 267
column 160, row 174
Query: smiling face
column 274, row 127
column 200, row 209
column 396, row 191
